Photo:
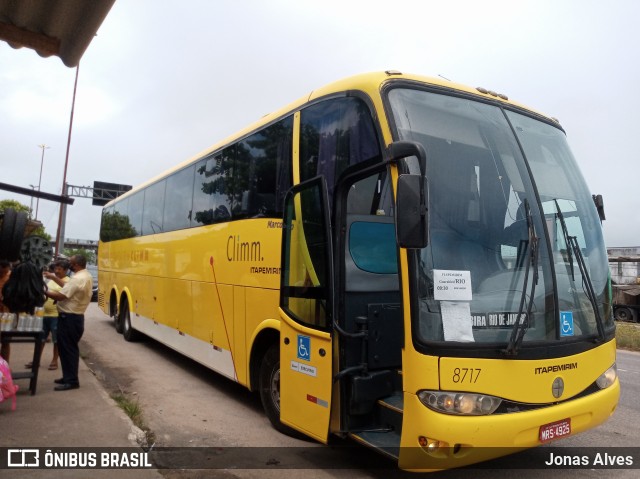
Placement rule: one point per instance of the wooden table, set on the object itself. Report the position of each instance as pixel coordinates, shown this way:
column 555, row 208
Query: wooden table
column 7, row 337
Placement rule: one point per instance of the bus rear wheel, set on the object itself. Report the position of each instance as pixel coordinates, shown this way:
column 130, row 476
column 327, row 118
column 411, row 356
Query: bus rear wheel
column 128, row 332
column 113, row 312
column 269, row 384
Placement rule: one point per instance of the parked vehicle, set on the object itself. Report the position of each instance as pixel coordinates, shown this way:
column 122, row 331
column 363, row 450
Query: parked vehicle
column 624, row 264
column 626, row 302
column 93, row 269
column 401, row 260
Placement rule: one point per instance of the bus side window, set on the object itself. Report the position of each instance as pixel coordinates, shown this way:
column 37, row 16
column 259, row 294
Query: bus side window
column 136, row 203
column 336, row 134
column 153, row 208
column 177, row 210
column 212, row 190
column 263, row 171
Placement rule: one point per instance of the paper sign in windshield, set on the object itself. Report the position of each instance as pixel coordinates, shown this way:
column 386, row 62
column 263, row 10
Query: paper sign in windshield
column 450, row 285
column 456, row 321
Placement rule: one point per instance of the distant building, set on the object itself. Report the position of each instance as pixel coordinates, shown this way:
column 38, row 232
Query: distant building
column 74, row 243
column 624, row 264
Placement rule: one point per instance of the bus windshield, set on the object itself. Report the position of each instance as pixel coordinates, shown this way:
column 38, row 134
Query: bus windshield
column 515, row 245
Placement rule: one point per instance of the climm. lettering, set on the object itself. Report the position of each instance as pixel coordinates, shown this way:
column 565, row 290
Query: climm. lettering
column 238, row 250
column 555, row 368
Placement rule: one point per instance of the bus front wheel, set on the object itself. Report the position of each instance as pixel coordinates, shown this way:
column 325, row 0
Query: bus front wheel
column 269, row 384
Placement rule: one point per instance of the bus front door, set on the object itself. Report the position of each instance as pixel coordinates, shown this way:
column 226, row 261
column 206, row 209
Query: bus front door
column 306, row 302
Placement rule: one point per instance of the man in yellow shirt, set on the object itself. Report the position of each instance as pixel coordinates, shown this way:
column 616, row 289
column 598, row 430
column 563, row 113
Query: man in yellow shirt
column 50, row 321
column 73, row 299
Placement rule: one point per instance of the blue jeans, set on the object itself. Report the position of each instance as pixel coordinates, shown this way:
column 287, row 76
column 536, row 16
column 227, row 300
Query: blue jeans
column 50, row 325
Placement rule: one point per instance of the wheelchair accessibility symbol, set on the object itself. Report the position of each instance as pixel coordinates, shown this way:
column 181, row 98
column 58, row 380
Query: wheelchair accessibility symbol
column 304, row 347
column 566, row 323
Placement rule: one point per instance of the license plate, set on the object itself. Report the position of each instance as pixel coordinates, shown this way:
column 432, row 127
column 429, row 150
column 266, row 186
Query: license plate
column 555, row 430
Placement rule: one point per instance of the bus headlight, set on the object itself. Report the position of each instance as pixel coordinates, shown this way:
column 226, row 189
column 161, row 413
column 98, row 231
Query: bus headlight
column 467, row 404
column 608, row 377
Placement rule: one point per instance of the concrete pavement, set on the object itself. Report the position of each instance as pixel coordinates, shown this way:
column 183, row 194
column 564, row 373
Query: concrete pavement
column 84, row 417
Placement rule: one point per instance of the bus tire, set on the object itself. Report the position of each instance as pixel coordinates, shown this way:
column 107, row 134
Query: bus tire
column 113, row 312
column 269, row 385
column 117, row 322
column 623, row 314
column 128, row 332
column 12, row 233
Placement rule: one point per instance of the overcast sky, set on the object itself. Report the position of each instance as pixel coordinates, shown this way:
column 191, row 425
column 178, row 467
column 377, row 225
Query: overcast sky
column 166, row 79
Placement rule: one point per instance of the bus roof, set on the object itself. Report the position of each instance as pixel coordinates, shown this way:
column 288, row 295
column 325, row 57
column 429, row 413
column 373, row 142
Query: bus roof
column 369, row 83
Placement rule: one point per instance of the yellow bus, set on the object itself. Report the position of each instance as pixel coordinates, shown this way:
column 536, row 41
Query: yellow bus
column 405, row 261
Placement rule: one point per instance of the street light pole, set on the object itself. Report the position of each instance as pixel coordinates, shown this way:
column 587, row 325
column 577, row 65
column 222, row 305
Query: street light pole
column 33, row 187
column 43, row 147
column 62, row 218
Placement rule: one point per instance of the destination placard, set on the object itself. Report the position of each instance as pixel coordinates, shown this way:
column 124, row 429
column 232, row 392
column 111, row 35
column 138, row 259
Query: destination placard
column 450, row 285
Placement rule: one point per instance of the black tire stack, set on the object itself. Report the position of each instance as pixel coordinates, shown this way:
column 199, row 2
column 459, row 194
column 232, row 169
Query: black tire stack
column 11, row 234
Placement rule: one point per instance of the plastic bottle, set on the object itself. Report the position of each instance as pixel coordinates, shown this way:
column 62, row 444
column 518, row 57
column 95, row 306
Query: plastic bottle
column 22, row 322
column 39, row 319
column 7, row 321
column 28, row 322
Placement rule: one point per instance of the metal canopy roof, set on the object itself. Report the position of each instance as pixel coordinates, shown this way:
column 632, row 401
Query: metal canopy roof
column 52, row 27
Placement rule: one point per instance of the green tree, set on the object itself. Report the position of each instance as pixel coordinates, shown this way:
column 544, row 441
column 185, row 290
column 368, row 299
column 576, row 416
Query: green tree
column 16, row 205
column 116, row 226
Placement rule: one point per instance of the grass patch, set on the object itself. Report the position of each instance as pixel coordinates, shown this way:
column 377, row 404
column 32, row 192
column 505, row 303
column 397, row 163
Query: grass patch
column 628, row 335
column 133, row 410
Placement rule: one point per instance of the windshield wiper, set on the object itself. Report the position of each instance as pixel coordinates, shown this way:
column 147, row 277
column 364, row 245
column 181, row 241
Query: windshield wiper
column 522, row 324
column 573, row 246
column 565, row 233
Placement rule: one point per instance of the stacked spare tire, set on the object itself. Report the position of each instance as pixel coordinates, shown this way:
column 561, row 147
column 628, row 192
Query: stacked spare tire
column 12, row 231
column 24, row 291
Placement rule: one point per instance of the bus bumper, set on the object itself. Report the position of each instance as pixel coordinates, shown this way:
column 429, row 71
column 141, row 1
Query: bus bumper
column 466, row 440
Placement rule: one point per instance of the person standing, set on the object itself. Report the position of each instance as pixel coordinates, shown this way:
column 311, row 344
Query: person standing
column 73, row 299
column 50, row 320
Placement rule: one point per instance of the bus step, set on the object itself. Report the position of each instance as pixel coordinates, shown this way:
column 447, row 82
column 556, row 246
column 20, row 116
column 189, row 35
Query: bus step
column 384, row 441
column 394, row 402
column 389, row 412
